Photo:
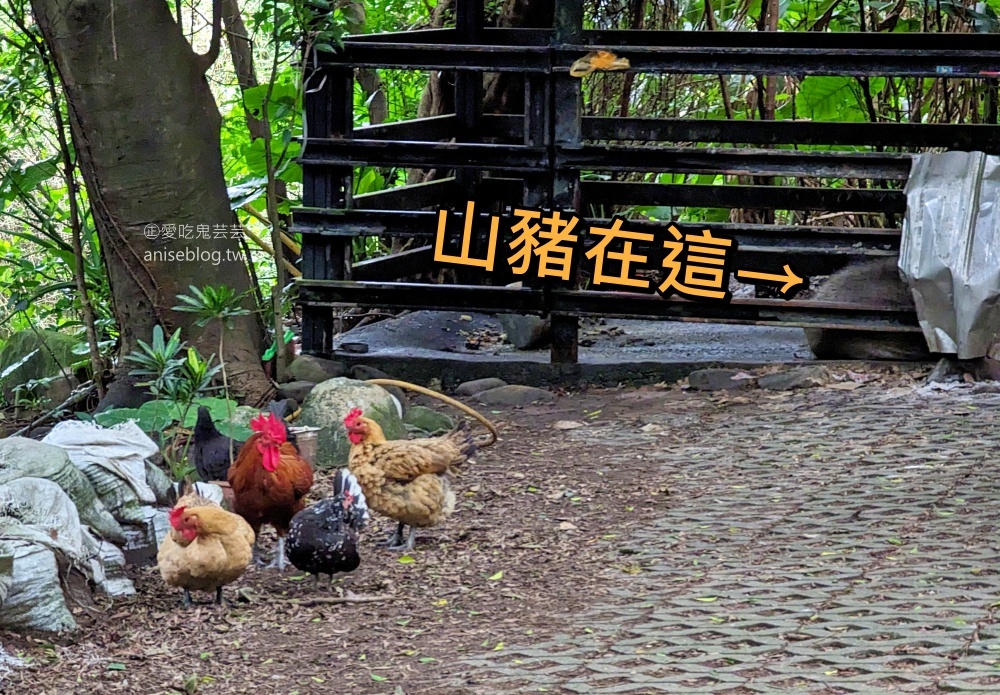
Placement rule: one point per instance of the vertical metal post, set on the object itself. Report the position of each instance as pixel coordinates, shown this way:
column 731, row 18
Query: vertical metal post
column 329, row 113
column 537, row 117
column 566, row 134
column 469, row 20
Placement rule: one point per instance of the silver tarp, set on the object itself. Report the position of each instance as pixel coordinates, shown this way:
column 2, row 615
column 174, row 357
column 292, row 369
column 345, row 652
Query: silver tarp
column 950, row 251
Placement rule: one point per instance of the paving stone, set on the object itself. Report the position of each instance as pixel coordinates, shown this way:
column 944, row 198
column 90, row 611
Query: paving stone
column 847, row 541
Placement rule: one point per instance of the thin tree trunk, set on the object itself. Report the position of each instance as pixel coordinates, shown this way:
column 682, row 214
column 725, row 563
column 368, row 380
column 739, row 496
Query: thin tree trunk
column 147, row 133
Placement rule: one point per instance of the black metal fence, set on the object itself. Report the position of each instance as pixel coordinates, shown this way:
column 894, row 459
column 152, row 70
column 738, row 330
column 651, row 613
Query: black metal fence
column 535, row 159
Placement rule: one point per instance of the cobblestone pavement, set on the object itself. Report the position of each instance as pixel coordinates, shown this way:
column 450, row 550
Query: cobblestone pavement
column 822, row 542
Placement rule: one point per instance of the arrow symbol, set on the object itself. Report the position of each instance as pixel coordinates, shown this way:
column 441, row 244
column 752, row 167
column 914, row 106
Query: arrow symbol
column 790, row 280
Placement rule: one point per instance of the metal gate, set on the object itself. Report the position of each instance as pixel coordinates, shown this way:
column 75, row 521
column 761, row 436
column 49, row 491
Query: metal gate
column 535, row 160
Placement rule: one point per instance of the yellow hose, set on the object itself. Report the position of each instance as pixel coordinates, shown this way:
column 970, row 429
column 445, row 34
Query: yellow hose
column 445, row 399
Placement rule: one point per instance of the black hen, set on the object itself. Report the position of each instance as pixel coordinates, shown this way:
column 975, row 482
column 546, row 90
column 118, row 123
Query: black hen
column 209, row 451
column 323, row 539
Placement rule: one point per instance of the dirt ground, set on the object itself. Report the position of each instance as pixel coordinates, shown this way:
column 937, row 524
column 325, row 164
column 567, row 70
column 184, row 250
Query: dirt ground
column 828, row 540
column 535, row 528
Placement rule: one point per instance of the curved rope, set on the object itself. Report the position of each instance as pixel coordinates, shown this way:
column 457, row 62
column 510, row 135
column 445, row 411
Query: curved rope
column 445, row 399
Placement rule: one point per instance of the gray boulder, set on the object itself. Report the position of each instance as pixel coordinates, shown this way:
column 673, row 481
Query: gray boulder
column 328, row 404
column 471, row 388
column 515, row 394
column 797, row 378
column 363, row 372
column 296, row 390
column 36, row 355
column 316, row 369
column 717, row 380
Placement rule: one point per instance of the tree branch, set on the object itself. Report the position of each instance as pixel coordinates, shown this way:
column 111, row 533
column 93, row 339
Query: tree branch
column 209, row 58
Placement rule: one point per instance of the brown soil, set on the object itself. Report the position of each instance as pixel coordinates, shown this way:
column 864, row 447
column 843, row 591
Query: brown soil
column 535, row 529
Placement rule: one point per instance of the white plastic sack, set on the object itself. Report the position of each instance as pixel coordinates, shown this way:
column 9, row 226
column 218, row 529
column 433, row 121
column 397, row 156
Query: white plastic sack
column 950, row 251
column 25, row 458
column 159, row 482
column 40, row 526
column 39, row 511
column 36, row 600
column 114, row 461
column 122, row 450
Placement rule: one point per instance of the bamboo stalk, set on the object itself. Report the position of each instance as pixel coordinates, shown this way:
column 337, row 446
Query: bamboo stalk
column 285, row 239
column 292, row 270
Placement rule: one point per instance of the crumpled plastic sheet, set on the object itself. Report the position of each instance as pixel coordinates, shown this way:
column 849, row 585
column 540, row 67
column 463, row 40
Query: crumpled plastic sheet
column 950, row 251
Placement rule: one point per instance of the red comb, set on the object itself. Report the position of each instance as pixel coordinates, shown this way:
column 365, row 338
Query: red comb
column 269, row 425
column 175, row 516
column 352, row 416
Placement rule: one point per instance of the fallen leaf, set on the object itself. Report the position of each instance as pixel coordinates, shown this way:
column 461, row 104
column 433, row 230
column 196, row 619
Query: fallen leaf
column 567, row 526
column 845, row 385
column 406, row 560
column 567, row 425
column 497, row 576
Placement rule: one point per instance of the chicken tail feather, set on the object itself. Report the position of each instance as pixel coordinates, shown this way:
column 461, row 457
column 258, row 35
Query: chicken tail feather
column 462, row 438
column 345, row 481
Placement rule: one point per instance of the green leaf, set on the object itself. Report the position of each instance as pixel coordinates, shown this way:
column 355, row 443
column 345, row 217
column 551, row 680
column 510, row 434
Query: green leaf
column 406, row 560
column 497, row 576
column 707, row 599
column 377, row 678
column 114, row 416
column 116, row 667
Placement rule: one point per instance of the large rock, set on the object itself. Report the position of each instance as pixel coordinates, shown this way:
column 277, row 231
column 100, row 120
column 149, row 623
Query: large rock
column 328, row 404
column 476, row 386
column 526, row 332
column 315, row 369
column 797, row 378
column 363, row 372
column 25, row 458
column 36, row 355
column 717, row 380
column 296, row 390
column 515, row 394
column 875, row 283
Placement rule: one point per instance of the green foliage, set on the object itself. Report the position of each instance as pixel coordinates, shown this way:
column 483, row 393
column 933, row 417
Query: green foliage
column 155, row 417
column 212, row 303
column 175, row 372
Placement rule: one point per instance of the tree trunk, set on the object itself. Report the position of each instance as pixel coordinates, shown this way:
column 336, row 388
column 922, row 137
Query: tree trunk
column 147, row 129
